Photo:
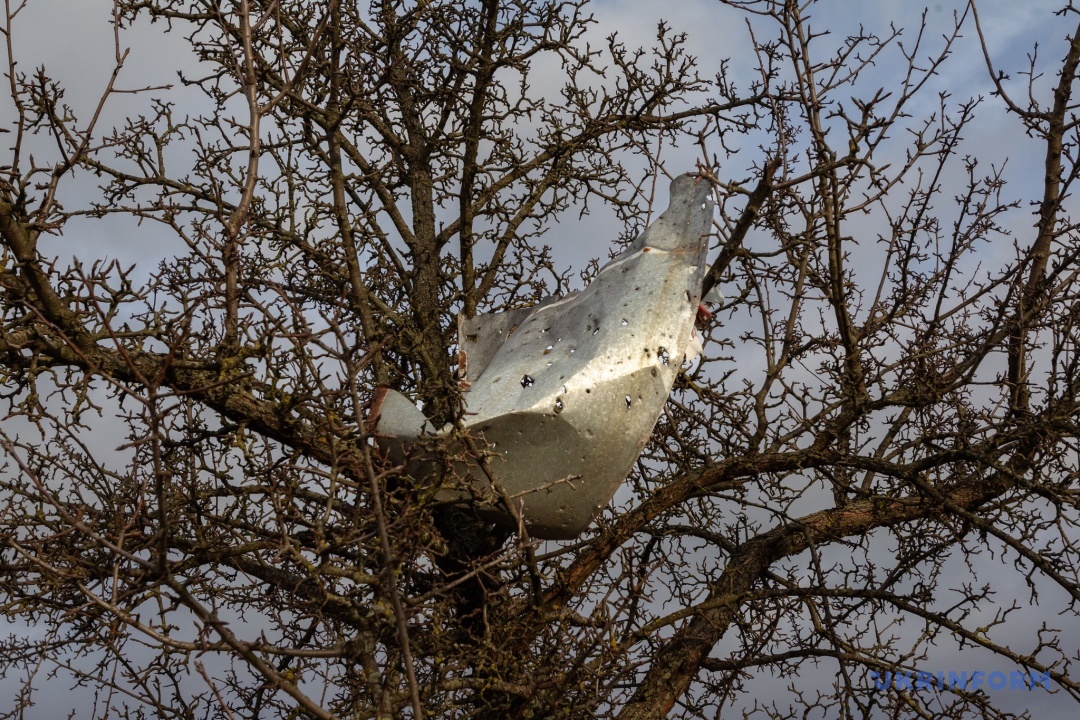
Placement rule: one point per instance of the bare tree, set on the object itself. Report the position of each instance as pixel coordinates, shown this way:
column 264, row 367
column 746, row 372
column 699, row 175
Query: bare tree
column 904, row 400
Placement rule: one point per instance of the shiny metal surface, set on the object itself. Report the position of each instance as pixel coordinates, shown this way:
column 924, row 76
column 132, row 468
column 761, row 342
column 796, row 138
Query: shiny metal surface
column 565, row 395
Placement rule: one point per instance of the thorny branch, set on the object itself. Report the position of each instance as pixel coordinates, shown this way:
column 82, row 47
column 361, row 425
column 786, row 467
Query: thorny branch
column 187, row 469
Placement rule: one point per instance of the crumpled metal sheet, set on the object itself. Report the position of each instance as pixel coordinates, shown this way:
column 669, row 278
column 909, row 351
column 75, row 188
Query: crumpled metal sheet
column 564, row 395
